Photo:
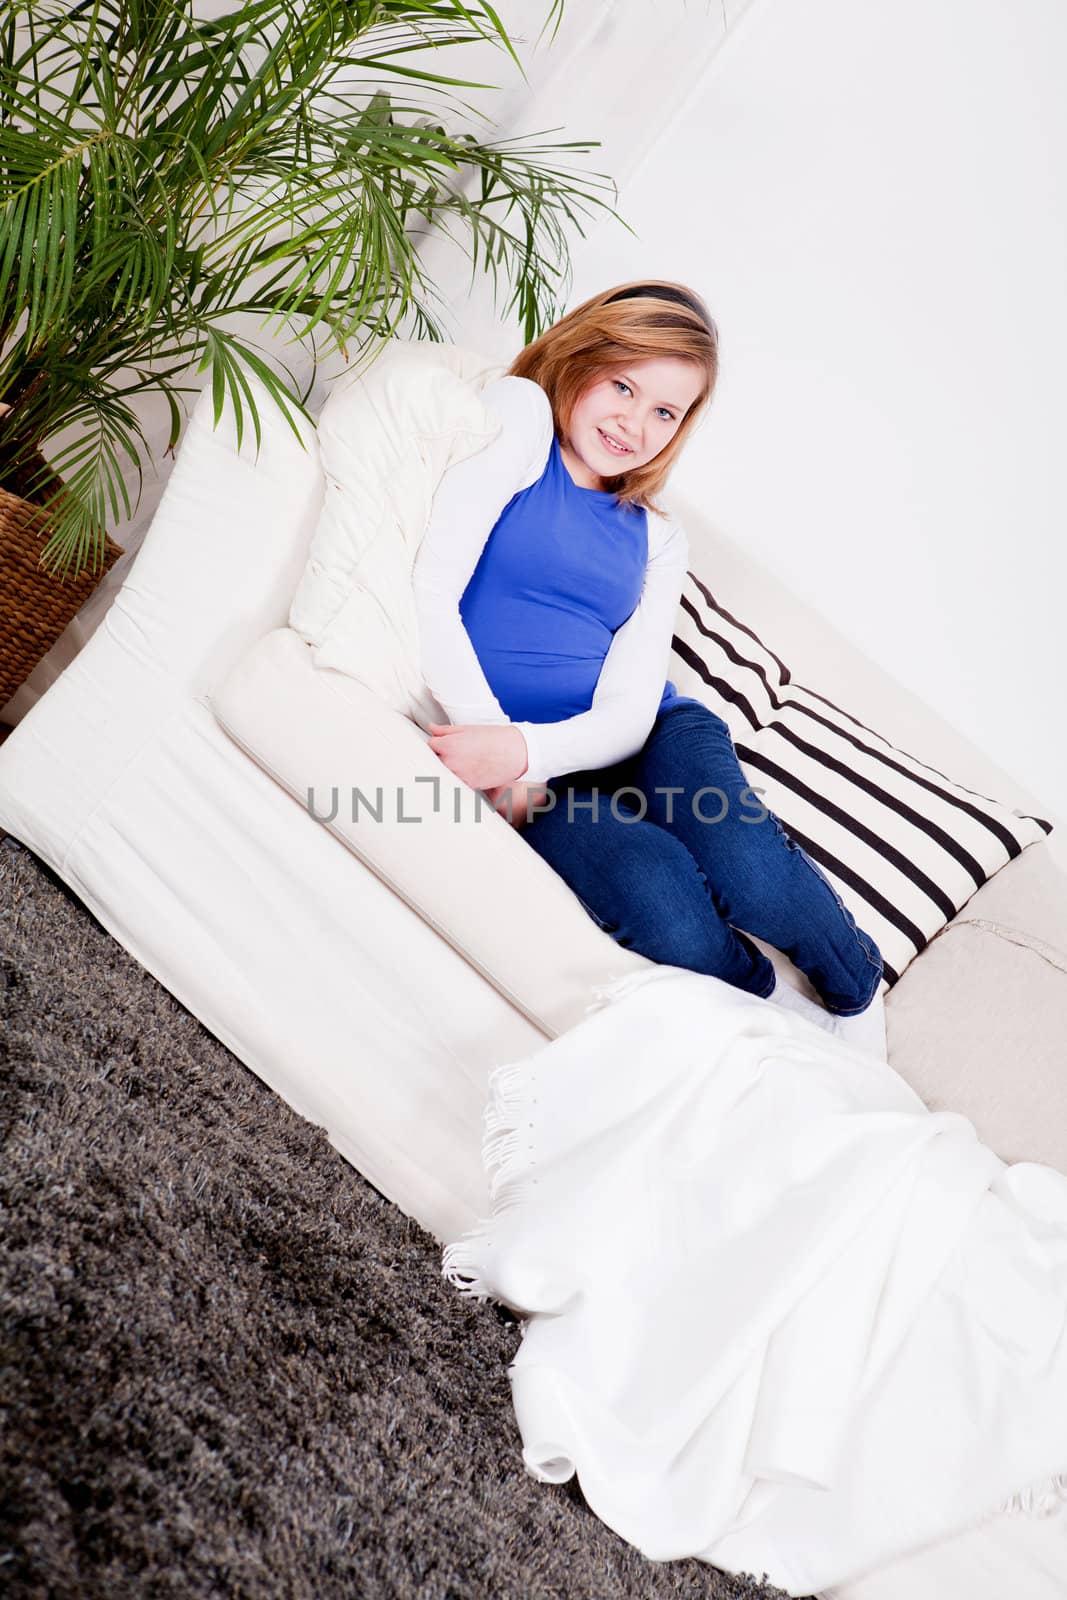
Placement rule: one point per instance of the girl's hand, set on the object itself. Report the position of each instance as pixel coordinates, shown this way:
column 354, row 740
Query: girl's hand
column 523, row 795
column 482, row 755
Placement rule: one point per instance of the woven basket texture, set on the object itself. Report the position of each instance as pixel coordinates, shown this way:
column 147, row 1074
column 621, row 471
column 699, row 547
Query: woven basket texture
column 35, row 604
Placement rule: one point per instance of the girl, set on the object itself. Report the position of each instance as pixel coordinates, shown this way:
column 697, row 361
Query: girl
column 546, row 596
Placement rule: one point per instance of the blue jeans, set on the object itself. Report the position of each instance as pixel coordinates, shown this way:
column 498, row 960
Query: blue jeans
column 676, row 875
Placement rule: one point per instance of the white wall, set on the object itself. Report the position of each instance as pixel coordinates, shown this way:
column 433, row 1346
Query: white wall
column 882, row 232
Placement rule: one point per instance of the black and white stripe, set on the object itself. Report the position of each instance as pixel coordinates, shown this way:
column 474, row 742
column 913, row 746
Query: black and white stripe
column 904, row 845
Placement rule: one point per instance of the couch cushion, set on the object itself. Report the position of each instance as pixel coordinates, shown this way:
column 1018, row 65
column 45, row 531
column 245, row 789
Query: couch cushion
column 1029, row 895
column 905, row 846
column 979, row 1024
column 367, row 774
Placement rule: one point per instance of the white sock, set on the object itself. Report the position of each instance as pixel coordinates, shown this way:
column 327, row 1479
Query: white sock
column 864, row 1032
column 790, row 999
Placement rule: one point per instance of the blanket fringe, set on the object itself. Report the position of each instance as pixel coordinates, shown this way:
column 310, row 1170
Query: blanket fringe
column 463, row 1262
column 1046, row 1498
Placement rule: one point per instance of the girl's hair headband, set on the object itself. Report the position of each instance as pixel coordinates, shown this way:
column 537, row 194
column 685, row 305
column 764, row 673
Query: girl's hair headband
column 665, row 292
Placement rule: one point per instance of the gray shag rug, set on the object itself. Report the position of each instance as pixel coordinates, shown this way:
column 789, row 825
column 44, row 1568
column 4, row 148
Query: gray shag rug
column 228, row 1365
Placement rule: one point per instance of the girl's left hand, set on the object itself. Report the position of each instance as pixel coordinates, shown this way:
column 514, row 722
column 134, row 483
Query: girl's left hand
column 483, row 755
column 513, row 801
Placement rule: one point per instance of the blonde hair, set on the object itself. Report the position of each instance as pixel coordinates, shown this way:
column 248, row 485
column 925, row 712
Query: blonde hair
column 636, row 321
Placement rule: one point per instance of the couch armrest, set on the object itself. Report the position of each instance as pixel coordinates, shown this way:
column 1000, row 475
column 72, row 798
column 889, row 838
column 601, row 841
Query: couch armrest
column 367, row 774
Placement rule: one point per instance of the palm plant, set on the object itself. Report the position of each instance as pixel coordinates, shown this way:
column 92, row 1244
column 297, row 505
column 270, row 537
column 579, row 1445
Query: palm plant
column 165, row 177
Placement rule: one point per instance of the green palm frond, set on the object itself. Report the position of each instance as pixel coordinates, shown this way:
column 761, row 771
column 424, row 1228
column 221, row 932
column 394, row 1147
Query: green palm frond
column 160, row 173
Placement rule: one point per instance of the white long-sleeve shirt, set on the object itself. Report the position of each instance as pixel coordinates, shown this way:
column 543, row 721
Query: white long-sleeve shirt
column 469, row 501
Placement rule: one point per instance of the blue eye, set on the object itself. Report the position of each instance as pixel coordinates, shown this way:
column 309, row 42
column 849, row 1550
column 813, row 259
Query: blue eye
column 619, row 384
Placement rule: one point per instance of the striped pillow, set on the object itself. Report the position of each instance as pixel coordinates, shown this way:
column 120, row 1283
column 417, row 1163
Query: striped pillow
column 903, row 845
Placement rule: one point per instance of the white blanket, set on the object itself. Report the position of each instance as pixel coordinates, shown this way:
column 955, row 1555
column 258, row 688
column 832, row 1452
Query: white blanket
column 777, row 1314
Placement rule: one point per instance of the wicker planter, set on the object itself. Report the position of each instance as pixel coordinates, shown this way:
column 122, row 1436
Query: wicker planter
column 35, row 606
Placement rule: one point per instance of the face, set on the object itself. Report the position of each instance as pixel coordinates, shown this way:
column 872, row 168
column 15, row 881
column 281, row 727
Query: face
column 640, row 405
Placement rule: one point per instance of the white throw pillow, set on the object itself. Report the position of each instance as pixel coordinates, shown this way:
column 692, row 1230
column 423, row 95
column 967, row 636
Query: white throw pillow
column 386, row 436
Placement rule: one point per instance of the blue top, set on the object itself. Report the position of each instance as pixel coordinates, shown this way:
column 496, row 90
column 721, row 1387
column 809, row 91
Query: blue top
column 562, row 569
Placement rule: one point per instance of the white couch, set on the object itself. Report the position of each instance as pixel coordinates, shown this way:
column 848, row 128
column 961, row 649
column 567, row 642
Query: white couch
column 372, row 973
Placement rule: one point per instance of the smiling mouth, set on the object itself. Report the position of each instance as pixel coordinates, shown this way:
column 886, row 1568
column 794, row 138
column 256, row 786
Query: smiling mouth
column 615, row 450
